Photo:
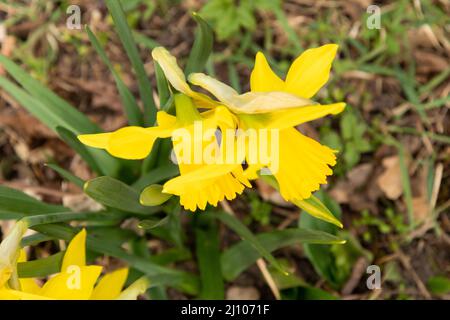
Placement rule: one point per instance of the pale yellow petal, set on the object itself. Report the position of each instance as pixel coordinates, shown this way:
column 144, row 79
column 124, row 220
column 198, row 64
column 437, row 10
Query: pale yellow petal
column 172, row 71
column 76, row 251
column 310, row 71
column 220, row 90
column 287, row 118
column 77, row 283
column 262, row 78
column 110, row 285
column 135, row 289
column 263, row 102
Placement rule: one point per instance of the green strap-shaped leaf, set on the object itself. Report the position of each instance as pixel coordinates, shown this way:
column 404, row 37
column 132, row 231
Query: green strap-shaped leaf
column 242, row 255
column 71, row 139
column 53, row 116
column 51, row 104
column 131, row 107
column 202, row 47
column 116, row 194
column 126, row 37
column 207, row 244
column 237, row 226
column 67, row 175
column 15, row 204
column 162, row 85
column 41, row 267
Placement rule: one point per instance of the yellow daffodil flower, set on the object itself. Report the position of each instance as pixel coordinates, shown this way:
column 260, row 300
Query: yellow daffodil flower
column 76, row 281
column 200, row 182
column 304, row 164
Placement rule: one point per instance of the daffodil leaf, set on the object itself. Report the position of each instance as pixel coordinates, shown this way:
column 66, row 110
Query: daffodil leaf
column 153, row 196
column 52, row 111
column 67, row 175
column 41, row 267
column 202, row 47
column 71, row 139
column 15, row 204
column 131, row 107
column 150, row 224
column 116, row 194
column 207, row 243
column 126, row 37
column 238, row 227
column 242, row 255
column 156, row 175
column 47, row 107
column 317, row 209
column 162, row 85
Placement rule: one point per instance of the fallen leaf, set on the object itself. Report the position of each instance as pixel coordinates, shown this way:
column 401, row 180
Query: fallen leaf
column 390, row 180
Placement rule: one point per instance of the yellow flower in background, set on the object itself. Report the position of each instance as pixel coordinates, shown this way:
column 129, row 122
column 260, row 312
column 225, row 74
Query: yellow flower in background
column 200, row 181
column 304, row 164
column 76, row 281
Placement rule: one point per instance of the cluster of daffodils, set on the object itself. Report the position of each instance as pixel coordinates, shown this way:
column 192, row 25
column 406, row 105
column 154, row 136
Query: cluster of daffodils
column 219, row 163
column 76, row 280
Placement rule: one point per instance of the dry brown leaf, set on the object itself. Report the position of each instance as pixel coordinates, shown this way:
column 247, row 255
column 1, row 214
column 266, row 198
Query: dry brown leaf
column 390, row 180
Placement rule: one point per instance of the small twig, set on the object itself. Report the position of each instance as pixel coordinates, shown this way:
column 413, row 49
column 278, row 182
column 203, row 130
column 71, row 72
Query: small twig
column 420, row 285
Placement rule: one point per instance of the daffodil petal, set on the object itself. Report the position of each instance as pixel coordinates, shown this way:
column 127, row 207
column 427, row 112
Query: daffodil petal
column 165, row 120
column 135, row 289
column 97, row 140
column 175, row 76
column 263, row 102
column 250, row 102
column 220, row 90
column 10, row 294
column 172, row 71
column 110, row 285
column 262, row 78
column 132, row 142
column 304, row 165
column 76, row 251
column 287, row 118
column 310, row 71
column 75, row 283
